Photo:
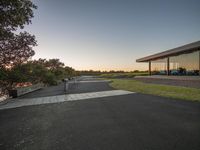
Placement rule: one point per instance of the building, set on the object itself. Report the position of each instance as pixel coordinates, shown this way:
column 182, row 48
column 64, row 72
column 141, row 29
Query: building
column 183, row 60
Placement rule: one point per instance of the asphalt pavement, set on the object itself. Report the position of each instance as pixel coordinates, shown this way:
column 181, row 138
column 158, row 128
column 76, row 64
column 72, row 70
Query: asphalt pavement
column 125, row 122
column 81, row 85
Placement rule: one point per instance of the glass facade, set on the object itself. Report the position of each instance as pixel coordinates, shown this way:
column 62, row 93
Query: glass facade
column 183, row 64
column 159, row 67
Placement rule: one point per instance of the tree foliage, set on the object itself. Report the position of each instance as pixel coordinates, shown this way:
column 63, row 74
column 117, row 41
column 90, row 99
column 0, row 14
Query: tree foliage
column 35, row 71
column 14, row 14
column 15, row 47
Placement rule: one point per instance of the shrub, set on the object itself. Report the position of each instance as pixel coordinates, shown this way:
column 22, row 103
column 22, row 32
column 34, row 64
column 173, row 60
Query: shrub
column 50, row 78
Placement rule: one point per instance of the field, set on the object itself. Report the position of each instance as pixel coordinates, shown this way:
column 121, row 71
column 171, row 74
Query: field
column 177, row 92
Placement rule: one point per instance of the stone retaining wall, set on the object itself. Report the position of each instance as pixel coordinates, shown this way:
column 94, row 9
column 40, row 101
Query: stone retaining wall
column 24, row 90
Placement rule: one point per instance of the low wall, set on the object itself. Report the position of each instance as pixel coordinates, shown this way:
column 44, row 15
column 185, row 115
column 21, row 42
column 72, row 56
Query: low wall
column 24, row 90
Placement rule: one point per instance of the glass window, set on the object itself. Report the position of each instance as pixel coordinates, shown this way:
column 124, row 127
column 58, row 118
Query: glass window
column 159, row 67
column 185, row 64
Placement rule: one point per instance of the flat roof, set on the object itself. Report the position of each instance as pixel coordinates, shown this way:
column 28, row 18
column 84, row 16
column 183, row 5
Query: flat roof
column 172, row 52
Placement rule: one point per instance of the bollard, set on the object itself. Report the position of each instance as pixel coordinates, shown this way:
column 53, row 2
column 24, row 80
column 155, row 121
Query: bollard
column 66, row 85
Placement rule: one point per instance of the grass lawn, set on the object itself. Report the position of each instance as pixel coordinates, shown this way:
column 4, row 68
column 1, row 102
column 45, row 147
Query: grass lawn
column 177, row 92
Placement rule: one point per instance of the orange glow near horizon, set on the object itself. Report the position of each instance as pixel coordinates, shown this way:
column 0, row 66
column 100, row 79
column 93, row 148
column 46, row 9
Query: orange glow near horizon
column 89, row 62
column 136, row 66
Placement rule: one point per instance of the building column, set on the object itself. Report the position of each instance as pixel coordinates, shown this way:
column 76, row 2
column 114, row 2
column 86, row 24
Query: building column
column 149, row 67
column 199, row 62
column 168, row 71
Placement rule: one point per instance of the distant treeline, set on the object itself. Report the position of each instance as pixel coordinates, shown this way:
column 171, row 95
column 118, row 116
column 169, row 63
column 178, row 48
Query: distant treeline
column 92, row 72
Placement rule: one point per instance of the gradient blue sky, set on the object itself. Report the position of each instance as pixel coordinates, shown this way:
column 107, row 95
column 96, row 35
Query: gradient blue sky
column 112, row 34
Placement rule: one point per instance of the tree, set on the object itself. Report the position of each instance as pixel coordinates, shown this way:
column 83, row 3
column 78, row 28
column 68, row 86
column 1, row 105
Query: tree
column 14, row 14
column 15, row 48
column 54, row 64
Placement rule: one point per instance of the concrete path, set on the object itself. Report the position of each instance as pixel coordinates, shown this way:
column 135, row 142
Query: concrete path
column 84, row 87
column 61, row 98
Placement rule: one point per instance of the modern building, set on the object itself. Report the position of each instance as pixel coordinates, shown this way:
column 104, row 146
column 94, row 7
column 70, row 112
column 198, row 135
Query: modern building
column 183, row 60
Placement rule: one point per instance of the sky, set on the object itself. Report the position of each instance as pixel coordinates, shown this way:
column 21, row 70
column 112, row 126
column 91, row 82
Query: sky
column 112, row 34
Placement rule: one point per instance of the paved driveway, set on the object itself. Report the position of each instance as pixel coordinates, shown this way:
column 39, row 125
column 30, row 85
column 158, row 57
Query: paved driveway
column 122, row 122
column 81, row 85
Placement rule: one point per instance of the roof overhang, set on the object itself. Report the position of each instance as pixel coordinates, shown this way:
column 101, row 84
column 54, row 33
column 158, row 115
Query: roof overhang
column 195, row 46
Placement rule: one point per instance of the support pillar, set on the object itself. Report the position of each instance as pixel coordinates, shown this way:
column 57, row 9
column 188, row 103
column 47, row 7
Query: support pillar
column 168, row 72
column 149, row 67
column 199, row 63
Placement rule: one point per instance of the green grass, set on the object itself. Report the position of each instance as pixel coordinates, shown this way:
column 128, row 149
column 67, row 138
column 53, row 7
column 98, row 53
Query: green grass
column 123, row 75
column 177, row 92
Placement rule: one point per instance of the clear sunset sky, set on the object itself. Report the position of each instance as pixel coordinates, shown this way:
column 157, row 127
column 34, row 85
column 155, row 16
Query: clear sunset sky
column 112, row 34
